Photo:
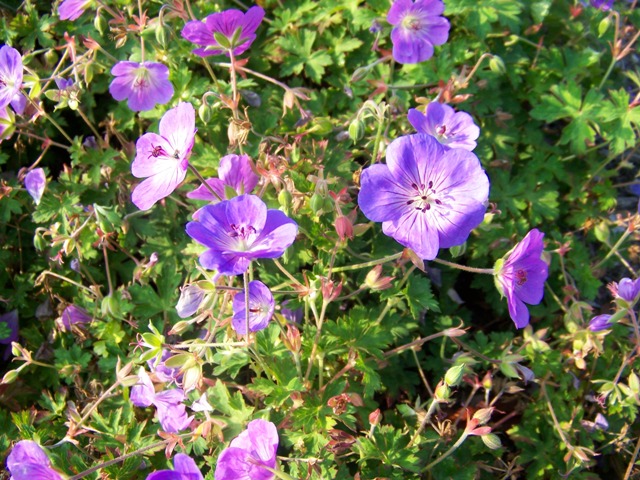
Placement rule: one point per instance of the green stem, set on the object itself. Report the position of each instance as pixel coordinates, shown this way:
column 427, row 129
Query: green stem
column 453, row 448
column 425, row 420
column 372, row 263
column 48, row 117
column 614, row 249
column 245, row 279
column 488, row 271
column 376, row 145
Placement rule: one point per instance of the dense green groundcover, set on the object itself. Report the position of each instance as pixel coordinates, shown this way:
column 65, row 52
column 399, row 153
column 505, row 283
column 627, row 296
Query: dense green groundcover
column 382, row 376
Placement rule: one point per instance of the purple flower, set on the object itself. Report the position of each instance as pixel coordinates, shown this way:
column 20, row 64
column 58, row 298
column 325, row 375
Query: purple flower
column 628, row 289
column 34, row 182
column 522, row 275
column 11, row 79
column 291, row 315
column 184, row 468
column 261, row 307
column 452, row 129
column 171, row 412
column 11, row 320
column 418, row 27
column 236, row 172
column 73, row 315
column 28, row 461
column 164, row 157
column 238, row 230
column 72, row 9
column 600, row 322
column 142, row 84
column 143, row 393
column 191, row 297
column 603, row 5
column 162, row 372
column 249, row 453
column 426, row 196
column 226, row 31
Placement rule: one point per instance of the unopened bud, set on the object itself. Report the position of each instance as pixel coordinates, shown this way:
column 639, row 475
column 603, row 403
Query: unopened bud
column 483, row 415
column 492, row 441
column 100, row 23
column 110, row 306
column 442, row 393
column 191, row 297
column 375, row 417
column 292, row 339
column 375, row 281
column 497, row 65
column 330, row 290
column 487, row 381
column 10, row 377
column 192, row 377
column 316, row 203
column 356, row 130
column 454, row 375
column 204, row 112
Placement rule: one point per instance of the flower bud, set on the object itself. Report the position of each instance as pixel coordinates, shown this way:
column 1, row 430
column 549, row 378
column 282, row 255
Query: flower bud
column 356, row 130
column 292, row 339
column 442, row 393
column 492, row 441
column 191, row 297
column 375, row 417
column 204, row 112
column 10, row 377
column 483, row 415
column 330, row 291
column 454, row 375
column 487, row 381
column 111, row 307
column 344, row 228
column 316, row 203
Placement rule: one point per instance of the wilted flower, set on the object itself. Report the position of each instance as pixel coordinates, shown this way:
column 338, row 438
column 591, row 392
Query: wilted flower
column 600, row 322
column 184, row 468
column 261, row 307
column 418, row 27
column 164, row 158
column 11, row 321
column 235, row 172
column 72, row 9
column 143, row 85
column 190, row 299
column 231, row 30
column 73, row 315
column 34, row 182
column 239, row 230
column 28, row 461
column 450, row 128
column 426, row 196
column 11, row 79
column 249, row 453
column 521, row 276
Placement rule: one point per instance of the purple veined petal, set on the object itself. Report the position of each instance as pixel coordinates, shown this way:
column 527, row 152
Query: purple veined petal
column 10, row 74
column 261, row 438
column 208, row 51
column 236, row 171
column 72, row 9
column 197, row 32
column 165, row 475
column 407, row 50
column 143, row 85
column 203, row 193
column 252, row 19
column 26, row 452
column 398, row 11
column 73, row 315
column 187, row 467
column 173, row 417
column 142, row 393
column 191, row 297
column 169, row 397
column 533, row 290
column 458, row 173
column 34, row 471
column 600, row 322
column 215, row 238
column 414, row 232
column 380, row 197
column 628, row 289
column 233, row 464
column 154, row 155
column 518, row 311
column 18, row 103
column 436, row 31
column 247, row 210
column 411, row 158
column 178, row 127
column 35, row 182
column 225, row 263
column 158, row 186
column 278, row 234
column 261, row 308
column 225, row 22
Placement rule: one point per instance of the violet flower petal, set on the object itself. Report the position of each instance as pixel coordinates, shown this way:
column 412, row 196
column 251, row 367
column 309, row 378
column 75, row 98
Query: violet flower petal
column 35, row 182
column 142, row 393
column 143, row 84
column 261, row 308
column 10, row 74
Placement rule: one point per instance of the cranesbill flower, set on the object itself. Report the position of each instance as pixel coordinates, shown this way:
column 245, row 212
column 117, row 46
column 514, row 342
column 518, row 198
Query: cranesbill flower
column 235, row 172
column 11, row 78
column 261, row 307
column 164, row 157
column 223, row 32
column 28, row 461
column 72, row 9
column 143, row 85
column 73, row 315
column 521, row 276
column 628, row 290
column 239, row 230
column 34, row 183
column 452, row 129
column 143, row 393
column 249, row 453
column 600, row 322
column 184, row 468
column 426, row 196
column 162, row 372
column 173, row 417
column 418, row 27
